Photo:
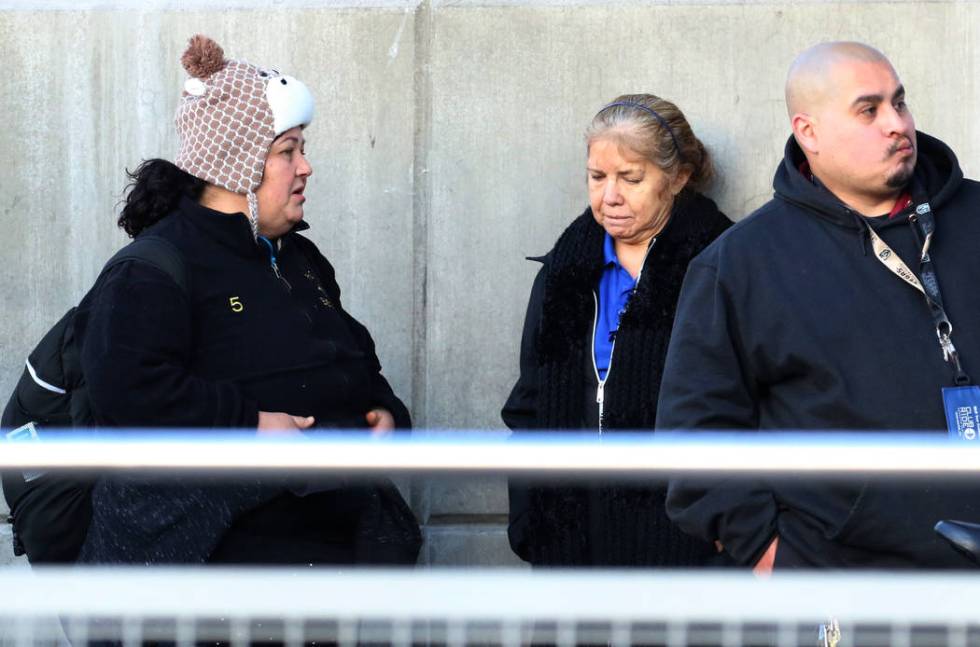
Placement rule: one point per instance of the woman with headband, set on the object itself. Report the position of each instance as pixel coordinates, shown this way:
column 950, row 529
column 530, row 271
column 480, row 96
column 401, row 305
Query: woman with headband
column 254, row 339
column 596, row 333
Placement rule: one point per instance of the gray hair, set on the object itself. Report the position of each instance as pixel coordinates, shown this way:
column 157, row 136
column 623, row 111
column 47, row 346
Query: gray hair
column 657, row 130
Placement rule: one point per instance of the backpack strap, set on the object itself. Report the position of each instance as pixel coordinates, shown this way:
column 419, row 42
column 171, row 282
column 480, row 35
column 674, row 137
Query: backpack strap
column 156, row 251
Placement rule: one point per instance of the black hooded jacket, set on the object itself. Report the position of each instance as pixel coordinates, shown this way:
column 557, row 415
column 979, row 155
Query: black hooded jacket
column 576, row 524
column 790, row 322
column 248, row 335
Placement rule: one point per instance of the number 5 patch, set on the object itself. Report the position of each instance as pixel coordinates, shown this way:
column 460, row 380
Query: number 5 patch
column 236, row 304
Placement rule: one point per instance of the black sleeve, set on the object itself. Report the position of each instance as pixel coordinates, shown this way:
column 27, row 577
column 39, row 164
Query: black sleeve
column 382, row 395
column 136, row 344
column 707, row 386
column 520, row 410
column 520, row 413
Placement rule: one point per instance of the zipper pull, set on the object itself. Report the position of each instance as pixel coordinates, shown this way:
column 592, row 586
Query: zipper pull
column 272, row 262
column 600, row 396
column 275, row 270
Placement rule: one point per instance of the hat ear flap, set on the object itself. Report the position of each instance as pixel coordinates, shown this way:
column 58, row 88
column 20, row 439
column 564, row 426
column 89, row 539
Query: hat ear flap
column 203, row 57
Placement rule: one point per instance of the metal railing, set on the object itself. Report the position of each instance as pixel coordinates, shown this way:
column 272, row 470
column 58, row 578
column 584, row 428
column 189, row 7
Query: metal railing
column 349, row 606
column 475, row 453
column 507, row 608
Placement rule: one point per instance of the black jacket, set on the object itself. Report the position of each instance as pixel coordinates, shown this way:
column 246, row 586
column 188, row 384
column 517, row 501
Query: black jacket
column 601, row 524
column 789, row 322
column 243, row 339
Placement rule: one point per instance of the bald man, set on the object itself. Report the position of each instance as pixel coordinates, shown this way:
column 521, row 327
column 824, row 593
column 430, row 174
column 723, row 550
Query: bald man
column 820, row 312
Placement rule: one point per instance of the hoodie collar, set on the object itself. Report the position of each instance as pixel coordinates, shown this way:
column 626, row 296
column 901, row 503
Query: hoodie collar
column 232, row 230
column 937, row 176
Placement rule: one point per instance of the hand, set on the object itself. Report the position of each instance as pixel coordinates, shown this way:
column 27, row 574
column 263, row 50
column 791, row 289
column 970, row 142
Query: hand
column 763, row 568
column 279, row 423
column 381, row 422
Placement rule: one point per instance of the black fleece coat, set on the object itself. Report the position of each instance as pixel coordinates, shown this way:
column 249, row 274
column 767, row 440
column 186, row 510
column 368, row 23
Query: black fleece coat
column 248, row 335
column 793, row 324
column 601, row 524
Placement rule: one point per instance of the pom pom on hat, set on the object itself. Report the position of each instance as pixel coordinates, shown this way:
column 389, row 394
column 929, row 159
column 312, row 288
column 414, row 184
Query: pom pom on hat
column 203, row 57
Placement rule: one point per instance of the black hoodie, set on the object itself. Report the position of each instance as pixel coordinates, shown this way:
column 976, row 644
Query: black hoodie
column 789, row 322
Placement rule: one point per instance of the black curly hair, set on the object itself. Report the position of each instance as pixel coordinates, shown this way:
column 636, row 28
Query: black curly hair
column 154, row 191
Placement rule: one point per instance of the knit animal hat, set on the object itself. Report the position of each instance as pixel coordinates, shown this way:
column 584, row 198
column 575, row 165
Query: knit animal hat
column 228, row 116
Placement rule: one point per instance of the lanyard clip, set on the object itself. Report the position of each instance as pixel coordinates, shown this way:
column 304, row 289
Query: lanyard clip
column 950, row 355
column 949, row 351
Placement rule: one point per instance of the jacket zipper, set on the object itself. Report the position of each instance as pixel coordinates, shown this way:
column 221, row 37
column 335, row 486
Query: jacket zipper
column 273, row 264
column 600, row 392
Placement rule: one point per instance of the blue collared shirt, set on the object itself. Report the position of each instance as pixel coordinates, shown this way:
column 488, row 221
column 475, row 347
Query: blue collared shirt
column 615, row 287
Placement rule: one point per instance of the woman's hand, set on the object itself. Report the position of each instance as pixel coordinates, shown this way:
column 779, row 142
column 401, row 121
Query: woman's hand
column 381, row 422
column 277, row 422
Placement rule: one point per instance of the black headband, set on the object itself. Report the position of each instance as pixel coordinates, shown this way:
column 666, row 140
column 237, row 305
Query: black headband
column 663, row 122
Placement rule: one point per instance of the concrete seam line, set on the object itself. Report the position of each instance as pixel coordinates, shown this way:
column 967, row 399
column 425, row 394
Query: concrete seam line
column 462, row 4
column 29, row 6
column 421, row 210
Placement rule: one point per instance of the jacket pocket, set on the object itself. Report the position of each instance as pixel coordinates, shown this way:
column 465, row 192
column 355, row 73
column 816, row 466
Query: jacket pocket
column 854, row 516
column 895, row 520
column 830, row 509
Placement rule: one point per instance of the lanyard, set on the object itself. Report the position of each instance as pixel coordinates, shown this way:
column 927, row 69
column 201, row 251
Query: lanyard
column 924, row 224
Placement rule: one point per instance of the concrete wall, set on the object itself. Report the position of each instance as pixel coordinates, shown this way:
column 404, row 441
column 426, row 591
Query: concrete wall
column 447, row 147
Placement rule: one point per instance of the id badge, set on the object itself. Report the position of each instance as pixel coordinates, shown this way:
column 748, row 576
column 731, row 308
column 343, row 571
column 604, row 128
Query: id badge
column 962, row 404
column 26, row 433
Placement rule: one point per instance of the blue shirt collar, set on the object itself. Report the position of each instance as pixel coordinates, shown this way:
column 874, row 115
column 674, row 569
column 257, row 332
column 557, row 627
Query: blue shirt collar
column 609, row 252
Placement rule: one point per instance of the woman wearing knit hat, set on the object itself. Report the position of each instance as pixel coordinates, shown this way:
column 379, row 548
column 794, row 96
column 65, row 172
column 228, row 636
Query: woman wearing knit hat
column 257, row 338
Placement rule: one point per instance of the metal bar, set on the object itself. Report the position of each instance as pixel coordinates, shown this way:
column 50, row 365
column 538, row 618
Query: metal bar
column 405, row 595
column 542, row 455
